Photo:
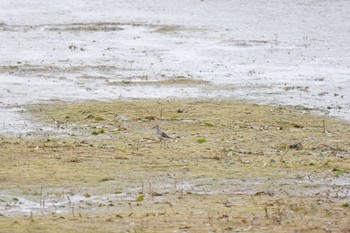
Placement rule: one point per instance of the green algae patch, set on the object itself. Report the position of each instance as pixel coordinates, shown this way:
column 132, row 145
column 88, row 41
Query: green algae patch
column 97, row 132
column 201, row 140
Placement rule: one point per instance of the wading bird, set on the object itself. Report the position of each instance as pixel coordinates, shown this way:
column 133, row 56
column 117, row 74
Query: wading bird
column 163, row 137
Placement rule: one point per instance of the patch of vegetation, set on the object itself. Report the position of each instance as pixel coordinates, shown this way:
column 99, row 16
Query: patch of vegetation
column 87, row 195
column 201, row 140
column 99, row 119
column 139, row 198
column 206, row 123
column 97, row 132
column 189, row 186
column 107, row 179
column 346, row 205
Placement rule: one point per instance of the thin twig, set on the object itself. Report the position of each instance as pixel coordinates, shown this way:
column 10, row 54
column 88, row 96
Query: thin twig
column 266, row 214
column 324, row 126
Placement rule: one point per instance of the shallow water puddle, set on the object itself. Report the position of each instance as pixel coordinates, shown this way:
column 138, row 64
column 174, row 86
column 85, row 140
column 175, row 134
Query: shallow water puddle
column 52, row 201
column 59, row 204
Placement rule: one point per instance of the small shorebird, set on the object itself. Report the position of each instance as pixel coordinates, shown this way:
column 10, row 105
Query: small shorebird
column 163, row 137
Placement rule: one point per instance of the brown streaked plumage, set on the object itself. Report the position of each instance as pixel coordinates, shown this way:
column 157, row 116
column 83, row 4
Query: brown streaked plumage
column 163, row 137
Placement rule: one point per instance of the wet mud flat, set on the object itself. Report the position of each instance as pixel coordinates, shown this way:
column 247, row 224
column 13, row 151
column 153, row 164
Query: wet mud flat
column 231, row 167
column 151, row 50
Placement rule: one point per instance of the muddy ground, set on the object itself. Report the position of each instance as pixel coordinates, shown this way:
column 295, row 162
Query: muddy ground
column 231, row 167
